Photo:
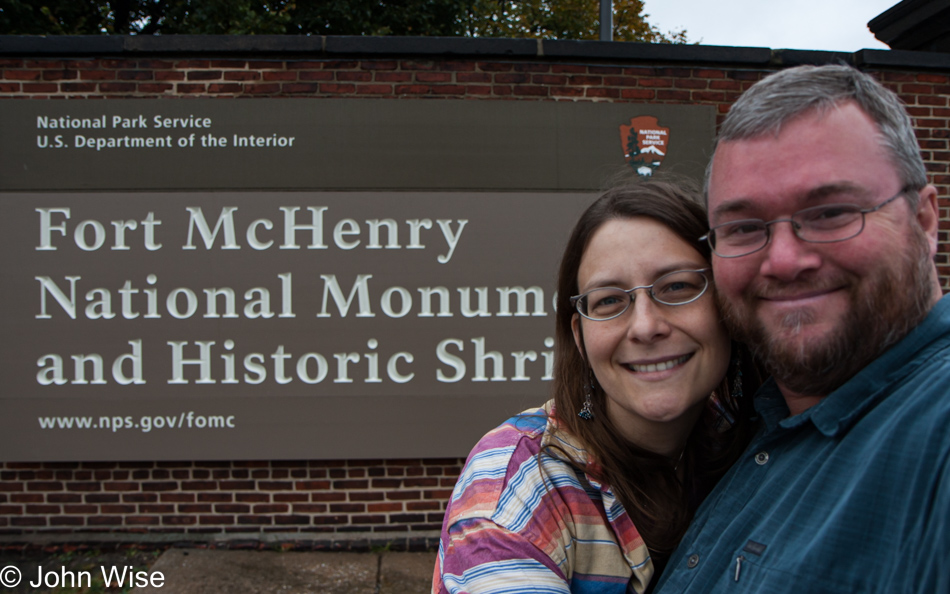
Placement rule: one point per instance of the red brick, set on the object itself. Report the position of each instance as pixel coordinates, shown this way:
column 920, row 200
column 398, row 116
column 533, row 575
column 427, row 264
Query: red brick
column 403, row 495
column 291, row 497
column 225, row 88
column 666, row 95
column 524, row 90
column 228, row 64
column 336, row 89
column 42, row 509
column 447, row 89
column 270, row 509
column 183, row 64
column 367, row 496
column 22, row 74
column 84, row 487
column 329, row 520
column 603, row 93
column 932, row 100
column 203, row 75
column 337, row 496
column 421, row 482
column 155, row 88
column 347, row 508
column 63, row 498
column 156, row 509
column 417, row 65
column 508, row 79
column 398, row 76
column 140, row 497
column 177, row 497
column 242, row 75
column 179, row 520
column 312, row 485
column 155, row 64
column 292, row 520
column 11, row 87
column 586, row 80
column 28, row 521
column 40, row 87
column 215, row 519
column 252, row 497
column 194, row 508
column 191, row 89
column 568, row 68
column 60, row 75
column 117, row 509
column 308, row 508
column 262, row 89
column 101, row 498
column 104, row 521
column 374, row 89
column 66, row 521
column 141, row 521
column 477, row 90
column 566, row 91
column 708, row 96
column 160, row 486
column 304, row 65
column 339, row 65
column 44, row 486
column 96, row 75
column 230, row 508
column 135, row 75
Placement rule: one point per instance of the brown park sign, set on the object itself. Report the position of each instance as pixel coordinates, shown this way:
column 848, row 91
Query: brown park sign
column 387, row 321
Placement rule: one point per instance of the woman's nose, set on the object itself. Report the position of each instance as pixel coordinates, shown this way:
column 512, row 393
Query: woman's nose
column 646, row 319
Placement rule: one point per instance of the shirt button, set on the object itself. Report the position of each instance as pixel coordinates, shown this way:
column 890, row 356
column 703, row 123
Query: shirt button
column 761, row 458
column 693, row 561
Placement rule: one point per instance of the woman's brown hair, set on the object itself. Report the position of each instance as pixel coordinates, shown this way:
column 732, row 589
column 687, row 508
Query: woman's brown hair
column 659, row 504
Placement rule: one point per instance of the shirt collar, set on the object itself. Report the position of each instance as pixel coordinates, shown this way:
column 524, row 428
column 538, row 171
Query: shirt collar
column 840, row 409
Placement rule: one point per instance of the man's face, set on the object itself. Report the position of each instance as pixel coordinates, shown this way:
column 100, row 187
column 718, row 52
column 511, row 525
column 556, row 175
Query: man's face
column 818, row 313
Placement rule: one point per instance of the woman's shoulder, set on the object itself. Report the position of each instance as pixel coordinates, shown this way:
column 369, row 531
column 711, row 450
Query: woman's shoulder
column 505, row 454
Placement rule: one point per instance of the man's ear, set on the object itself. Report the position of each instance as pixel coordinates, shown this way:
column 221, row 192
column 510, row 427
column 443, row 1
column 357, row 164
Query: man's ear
column 578, row 335
column 928, row 215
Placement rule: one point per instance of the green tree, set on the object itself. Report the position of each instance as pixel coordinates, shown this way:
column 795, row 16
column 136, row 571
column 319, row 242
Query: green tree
column 544, row 19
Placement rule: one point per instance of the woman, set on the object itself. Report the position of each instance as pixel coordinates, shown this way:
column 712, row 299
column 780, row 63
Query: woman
column 593, row 491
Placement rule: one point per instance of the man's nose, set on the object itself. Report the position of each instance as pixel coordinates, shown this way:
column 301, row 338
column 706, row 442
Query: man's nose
column 787, row 255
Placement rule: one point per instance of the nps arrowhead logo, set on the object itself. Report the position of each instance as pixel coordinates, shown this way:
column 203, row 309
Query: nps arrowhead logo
column 644, row 144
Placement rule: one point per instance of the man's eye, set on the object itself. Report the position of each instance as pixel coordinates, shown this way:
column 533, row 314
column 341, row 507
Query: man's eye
column 740, row 229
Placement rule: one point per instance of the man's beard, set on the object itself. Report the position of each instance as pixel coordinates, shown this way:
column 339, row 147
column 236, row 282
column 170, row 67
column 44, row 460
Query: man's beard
column 889, row 304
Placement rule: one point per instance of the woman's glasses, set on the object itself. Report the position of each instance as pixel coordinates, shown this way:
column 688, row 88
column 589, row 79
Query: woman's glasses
column 675, row 288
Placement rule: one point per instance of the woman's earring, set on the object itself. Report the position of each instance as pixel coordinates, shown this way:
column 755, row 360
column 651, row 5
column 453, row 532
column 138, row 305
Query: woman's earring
column 586, row 413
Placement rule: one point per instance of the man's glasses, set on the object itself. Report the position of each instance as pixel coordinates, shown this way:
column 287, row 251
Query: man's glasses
column 819, row 224
column 675, row 288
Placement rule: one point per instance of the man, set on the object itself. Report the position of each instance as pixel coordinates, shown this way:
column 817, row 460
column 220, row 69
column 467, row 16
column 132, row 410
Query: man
column 824, row 231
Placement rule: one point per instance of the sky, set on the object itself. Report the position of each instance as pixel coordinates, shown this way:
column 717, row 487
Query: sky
column 832, row 25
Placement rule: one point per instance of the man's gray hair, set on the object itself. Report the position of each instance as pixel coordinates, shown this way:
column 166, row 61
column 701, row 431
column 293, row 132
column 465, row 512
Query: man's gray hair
column 781, row 97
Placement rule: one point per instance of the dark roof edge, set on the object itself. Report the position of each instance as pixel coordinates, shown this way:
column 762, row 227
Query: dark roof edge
column 330, row 46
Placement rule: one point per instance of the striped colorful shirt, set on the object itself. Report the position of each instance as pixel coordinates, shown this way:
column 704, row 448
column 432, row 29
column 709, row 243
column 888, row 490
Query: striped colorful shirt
column 513, row 525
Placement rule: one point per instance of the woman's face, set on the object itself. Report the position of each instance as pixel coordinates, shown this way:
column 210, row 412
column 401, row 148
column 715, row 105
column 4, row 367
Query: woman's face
column 656, row 363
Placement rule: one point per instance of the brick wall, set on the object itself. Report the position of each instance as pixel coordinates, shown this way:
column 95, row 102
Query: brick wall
column 318, row 501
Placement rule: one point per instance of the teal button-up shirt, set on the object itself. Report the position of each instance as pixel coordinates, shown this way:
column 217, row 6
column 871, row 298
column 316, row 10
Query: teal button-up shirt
column 853, row 495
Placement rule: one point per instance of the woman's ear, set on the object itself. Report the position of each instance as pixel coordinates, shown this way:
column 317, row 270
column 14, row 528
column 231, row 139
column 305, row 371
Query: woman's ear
column 578, row 335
